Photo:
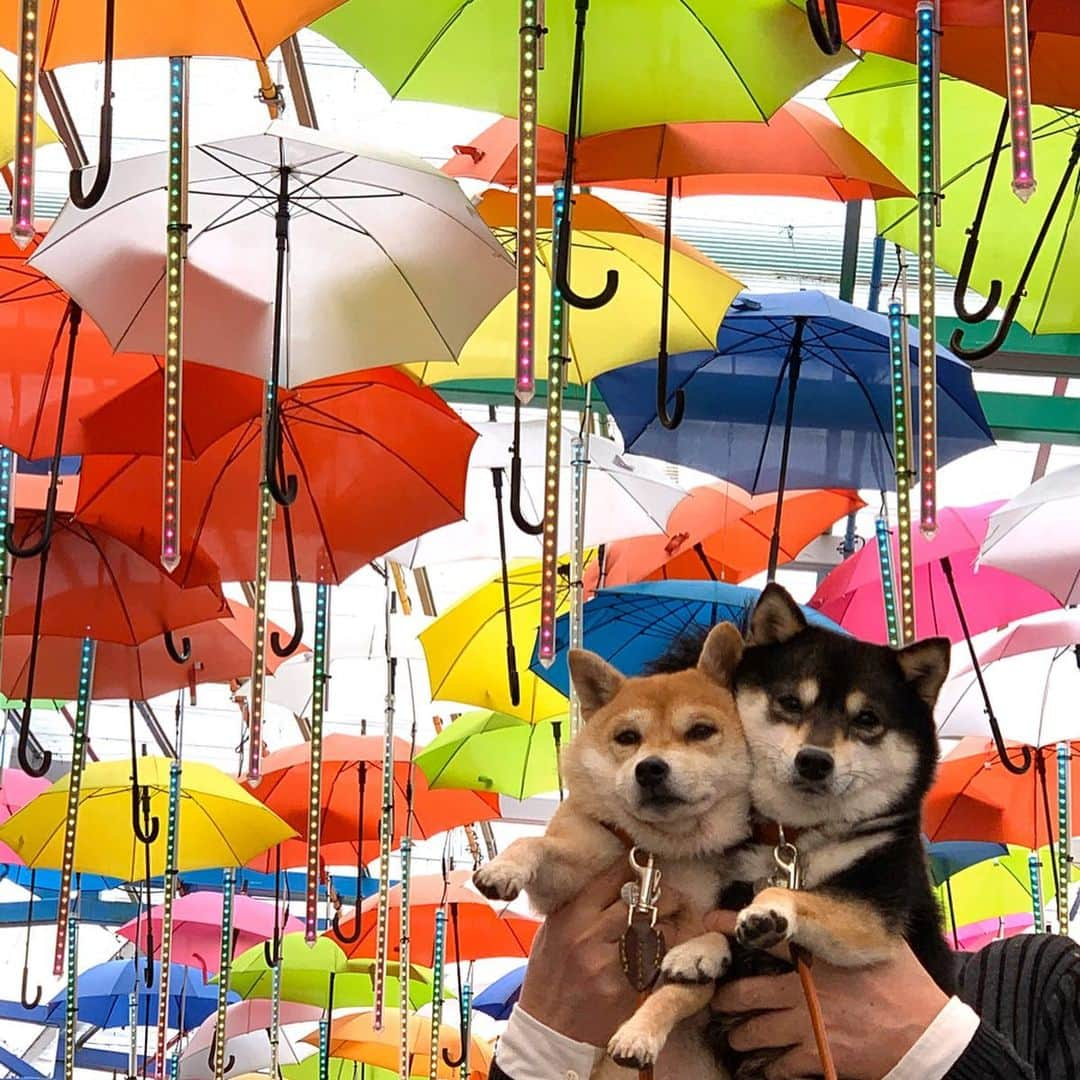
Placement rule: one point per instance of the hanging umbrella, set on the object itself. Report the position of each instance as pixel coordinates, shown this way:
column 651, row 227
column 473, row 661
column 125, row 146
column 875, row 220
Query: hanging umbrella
column 220, row 651
column 949, row 857
column 484, row 751
column 720, row 532
column 104, row 993
column 1032, row 673
column 633, row 625
column 1034, row 535
column 220, row 823
column 628, row 496
column 197, row 920
column 463, row 643
column 476, row 928
column 16, row 790
column 975, row 936
column 498, row 999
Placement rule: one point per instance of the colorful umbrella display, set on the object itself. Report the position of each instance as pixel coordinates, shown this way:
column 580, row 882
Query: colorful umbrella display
column 498, row 999
column 949, row 857
column 16, row 790
column 975, row 936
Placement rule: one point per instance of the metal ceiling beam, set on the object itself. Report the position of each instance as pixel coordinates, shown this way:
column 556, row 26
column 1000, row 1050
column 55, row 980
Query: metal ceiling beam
column 62, row 119
column 153, row 725
column 299, row 88
column 1033, row 418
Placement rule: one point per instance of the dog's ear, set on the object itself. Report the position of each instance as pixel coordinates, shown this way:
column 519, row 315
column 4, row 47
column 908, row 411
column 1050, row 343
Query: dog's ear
column 721, row 653
column 925, row 665
column 595, row 680
column 776, row 617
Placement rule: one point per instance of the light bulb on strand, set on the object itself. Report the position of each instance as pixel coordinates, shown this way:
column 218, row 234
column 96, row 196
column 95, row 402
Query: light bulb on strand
column 888, row 589
column 22, row 198
column 71, row 996
column 1018, row 81
column 437, row 977
column 172, row 822
column 900, row 379
column 404, row 959
column 228, row 892
column 466, row 1013
column 386, row 820
column 1064, row 859
column 258, row 646
column 318, row 702
column 1035, row 888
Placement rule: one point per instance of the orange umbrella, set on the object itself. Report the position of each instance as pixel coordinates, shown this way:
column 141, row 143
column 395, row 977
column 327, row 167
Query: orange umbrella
column 975, row 797
column 798, row 152
column 220, row 652
column 722, row 533
column 476, row 928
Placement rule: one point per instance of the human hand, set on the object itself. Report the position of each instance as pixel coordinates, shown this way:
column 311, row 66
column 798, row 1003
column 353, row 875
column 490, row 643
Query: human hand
column 873, row 1015
column 575, row 983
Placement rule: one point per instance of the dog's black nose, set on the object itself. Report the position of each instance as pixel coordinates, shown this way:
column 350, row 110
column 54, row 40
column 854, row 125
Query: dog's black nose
column 651, row 772
column 813, row 764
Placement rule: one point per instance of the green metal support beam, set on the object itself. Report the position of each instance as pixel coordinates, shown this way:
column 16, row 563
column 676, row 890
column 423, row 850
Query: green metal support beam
column 1033, row 418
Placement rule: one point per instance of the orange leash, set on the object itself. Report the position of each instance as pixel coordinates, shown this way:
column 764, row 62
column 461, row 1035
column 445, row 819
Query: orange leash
column 813, row 1005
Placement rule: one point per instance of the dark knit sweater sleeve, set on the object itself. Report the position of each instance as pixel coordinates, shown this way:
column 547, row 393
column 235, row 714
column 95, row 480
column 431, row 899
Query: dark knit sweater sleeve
column 1026, row 991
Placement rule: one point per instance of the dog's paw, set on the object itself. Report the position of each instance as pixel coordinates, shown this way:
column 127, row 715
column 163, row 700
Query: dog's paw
column 635, row 1045
column 697, row 961
column 768, row 921
column 500, row 879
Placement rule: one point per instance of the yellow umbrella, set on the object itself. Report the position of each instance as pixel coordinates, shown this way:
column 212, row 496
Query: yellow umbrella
column 221, row 824
column 45, row 134
column 355, row 1038
column 465, row 648
column 623, row 331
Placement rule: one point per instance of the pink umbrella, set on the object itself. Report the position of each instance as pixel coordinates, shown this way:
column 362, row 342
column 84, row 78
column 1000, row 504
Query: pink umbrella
column 197, row 923
column 16, row 790
column 975, row 936
column 852, row 594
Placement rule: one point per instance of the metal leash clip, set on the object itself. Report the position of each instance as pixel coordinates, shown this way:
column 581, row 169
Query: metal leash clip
column 642, row 896
column 641, row 948
column 788, row 871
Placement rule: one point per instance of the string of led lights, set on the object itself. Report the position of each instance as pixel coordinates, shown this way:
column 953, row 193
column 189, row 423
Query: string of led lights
column 579, row 466
column 888, row 590
column 324, row 1033
column 1035, row 882
column 275, row 1018
column 318, row 700
column 22, row 202
column 7, row 476
column 171, row 829
column 71, row 996
column 1064, row 859
column 1018, row 67
column 228, row 890
column 404, row 960
column 900, row 369
column 466, row 1016
column 71, row 819
column 133, row 1028
column 927, row 49
column 176, row 230
column 437, row 978
column 258, row 646
column 386, row 821
column 557, row 361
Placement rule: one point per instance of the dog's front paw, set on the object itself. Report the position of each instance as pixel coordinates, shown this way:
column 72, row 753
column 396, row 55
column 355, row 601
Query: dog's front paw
column 768, row 921
column 635, row 1045
column 700, row 960
column 500, row 879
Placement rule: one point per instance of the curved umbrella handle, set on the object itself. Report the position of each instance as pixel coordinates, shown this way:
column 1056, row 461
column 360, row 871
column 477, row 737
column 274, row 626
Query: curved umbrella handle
column 963, row 281
column 520, row 520
column 25, row 763
column 346, row 939
column 981, row 352
column 230, row 1061
column 562, row 276
column 33, row 550
column 85, row 200
column 26, row 1001
column 181, row 655
column 674, row 419
column 1003, row 753
column 826, row 30
column 145, row 833
column 293, row 643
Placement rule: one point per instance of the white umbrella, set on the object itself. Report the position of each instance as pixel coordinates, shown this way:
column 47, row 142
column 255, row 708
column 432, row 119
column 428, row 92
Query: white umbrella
column 1035, row 535
column 628, row 496
column 1032, row 675
column 387, row 261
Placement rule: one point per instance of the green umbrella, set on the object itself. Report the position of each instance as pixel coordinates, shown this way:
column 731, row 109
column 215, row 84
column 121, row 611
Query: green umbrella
column 876, row 102
column 488, row 751
column 51, row 704
column 649, row 61
column 340, row 1069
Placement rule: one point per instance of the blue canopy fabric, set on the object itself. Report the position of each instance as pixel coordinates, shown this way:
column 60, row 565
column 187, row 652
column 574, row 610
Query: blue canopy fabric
column 632, row 625
column 104, row 991
column 498, row 999
column 736, row 398
column 948, row 857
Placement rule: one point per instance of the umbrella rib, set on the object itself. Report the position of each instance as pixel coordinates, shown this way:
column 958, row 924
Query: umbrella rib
column 250, row 29
column 429, row 48
column 301, row 467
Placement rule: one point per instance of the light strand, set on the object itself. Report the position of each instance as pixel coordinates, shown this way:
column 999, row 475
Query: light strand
column 1034, row 877
column 530, row 38
column 466, row 1015
column 171, row 829
column 275, row 1019
column 549, row 586
column 324, row 1044
column 579, row 464
column 888, row 588
column 928, row 118
column 1064, row 845
column 7, row 476
column 176, row 230
column 133, row 1026
column 900, row 367
column 404, row 950
column 71, row 996
column 228, row 888
column 1018, row 80
column 437, row 976
column 22, row 201
column 318, row 700
column 258, row 646
column 174, row 1067
column 71, row 819
column 386, row 822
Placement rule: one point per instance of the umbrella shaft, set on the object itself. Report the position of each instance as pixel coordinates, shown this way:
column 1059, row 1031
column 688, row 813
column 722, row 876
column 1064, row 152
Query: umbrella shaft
column 794, row 360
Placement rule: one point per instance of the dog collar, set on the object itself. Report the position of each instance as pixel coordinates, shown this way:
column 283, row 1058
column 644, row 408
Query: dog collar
column 768, row 832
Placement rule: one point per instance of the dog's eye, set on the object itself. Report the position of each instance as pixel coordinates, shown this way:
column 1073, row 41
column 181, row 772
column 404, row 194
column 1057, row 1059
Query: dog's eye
column 700, row 732
column 789, row 702
column 627, row 737
column 866, row 720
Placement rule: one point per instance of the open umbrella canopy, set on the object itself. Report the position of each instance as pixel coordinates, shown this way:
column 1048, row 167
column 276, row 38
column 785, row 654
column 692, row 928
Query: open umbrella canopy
column 220, row 823
column 633, row 625
column 377, row 242
column 498, row 999
column 736, row 61
column 16, row 790
column 799, row 152
column 622, row 331
column 949, row 857
column 972, row 937
column 736, row 398
column 373, row 439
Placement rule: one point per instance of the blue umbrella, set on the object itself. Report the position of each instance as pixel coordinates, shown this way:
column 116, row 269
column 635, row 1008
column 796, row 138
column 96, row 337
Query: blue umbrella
column 948, row 857
column 498, row 999
column 798, row 394
column 47, row 882
column 104, row 991
column 633, row 625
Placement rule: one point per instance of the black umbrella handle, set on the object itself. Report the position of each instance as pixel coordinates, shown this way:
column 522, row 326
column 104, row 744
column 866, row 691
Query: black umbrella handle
column 513, row 679
column 290, row 646
column 673, row 419
column 826, row 29
column 84, row 200
column 181, row 655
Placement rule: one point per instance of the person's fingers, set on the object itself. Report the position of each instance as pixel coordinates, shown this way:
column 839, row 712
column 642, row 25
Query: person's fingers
column 798, row 1063
column 604, row 889
column 758, row 992
column 722, row 922
column 767, row 1031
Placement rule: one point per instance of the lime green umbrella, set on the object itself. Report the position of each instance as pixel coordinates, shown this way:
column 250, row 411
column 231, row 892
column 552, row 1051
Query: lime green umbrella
column 488, row 751
column 649, row 61
column 340, row 1069
column 51, row 704
column 876, row 102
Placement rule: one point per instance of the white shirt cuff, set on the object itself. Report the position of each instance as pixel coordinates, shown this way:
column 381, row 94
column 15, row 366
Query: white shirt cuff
column 940, row 1045
column 529, row 1050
